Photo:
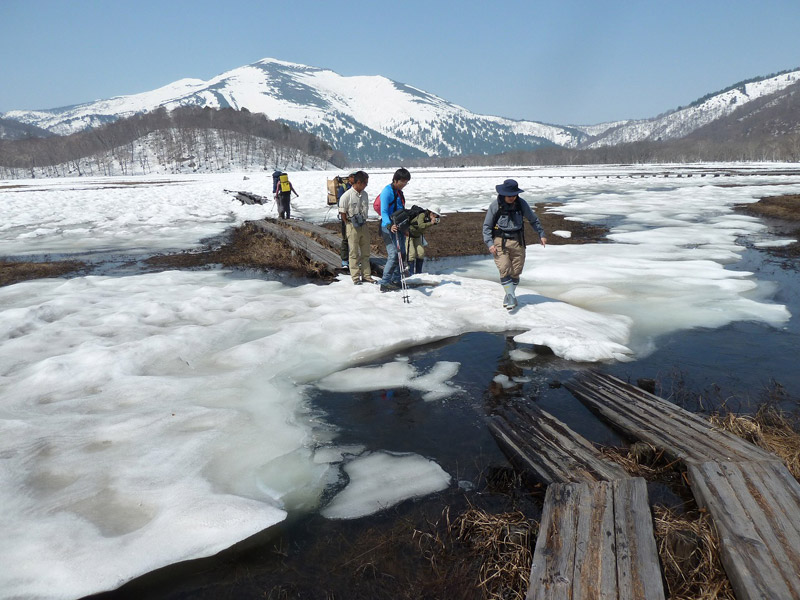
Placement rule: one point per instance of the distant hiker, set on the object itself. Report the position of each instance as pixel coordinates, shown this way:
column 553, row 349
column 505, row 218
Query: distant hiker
column 416, row 237
column 353, row 210
column 342, row 186
column 283, row 195
column 504, row 235
column 276, row 177
column 392, row 199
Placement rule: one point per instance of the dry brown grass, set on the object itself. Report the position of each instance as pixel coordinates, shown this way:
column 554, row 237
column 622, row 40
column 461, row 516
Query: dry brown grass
column 14, row 272
column 689, row 550
column 499, row 545
column 248, row 248
column 785, row 207
column 770, row 429
column 504, row 542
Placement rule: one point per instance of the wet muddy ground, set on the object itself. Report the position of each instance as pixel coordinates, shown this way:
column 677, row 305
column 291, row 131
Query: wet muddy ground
column 458, row 234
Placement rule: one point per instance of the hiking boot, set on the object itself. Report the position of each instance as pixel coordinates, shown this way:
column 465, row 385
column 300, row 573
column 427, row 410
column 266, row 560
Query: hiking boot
column 356, row 282
column 369, row 280
column 389, row 287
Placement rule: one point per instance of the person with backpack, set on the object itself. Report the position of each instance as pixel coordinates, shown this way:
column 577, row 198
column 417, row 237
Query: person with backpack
column 353, row 210
column 392, row 200
column 342, row 186
column 283, row 195
column 504, row 235
column 416, row 237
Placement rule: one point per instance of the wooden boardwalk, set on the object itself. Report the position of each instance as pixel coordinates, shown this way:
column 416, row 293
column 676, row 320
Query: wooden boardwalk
column 294, row 233
column 537, row 442
column 644, row 416
column 596, row 541
column 596, row 534
column 750, row 494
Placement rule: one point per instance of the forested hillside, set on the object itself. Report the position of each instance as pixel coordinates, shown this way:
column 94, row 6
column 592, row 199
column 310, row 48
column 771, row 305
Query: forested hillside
column 187, row 139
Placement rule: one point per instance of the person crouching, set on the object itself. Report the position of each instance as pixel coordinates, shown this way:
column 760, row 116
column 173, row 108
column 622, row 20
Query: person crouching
column 416, row 237
column 504, row 235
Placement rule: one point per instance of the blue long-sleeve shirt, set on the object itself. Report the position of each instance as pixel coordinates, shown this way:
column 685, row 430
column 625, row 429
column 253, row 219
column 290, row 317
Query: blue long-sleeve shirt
column 388, row 204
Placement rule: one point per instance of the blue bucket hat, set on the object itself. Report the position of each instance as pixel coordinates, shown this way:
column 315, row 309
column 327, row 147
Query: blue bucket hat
column 508, row 188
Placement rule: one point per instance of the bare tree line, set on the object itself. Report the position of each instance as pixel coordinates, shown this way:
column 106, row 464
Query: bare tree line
column 785, row 148
column 185, row 139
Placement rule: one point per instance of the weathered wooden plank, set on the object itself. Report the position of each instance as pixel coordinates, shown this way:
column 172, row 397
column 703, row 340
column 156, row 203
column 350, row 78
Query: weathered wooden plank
column 554, row 554
column 781, row 503
column 784, row 492
column 329, row 236
column 745, row 556
column 695, row 426
column 558, row 437
column 638, row 570
column 671, row 428
column 301, row 242
column 539, row 437
column 596, row 542
column 766, row 516
column 662, row 426
column 539, row 465
column 625, row 421
column 595, row 574
column 333, row 240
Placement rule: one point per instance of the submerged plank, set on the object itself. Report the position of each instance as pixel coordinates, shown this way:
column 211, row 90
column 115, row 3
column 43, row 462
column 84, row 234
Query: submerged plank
column 536, row 441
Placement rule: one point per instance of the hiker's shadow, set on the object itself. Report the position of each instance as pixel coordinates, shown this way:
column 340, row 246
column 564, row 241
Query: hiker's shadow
column 426, row 287
column 531, row 300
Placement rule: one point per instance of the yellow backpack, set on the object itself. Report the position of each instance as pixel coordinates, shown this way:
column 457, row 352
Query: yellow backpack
column 285, row 185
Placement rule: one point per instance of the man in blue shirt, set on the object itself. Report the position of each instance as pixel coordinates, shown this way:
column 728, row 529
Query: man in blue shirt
column 392, row 199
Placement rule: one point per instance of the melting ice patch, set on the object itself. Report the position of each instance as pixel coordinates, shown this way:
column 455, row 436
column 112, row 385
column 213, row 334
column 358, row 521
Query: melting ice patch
column 380, row 480
column 396, row 374
column 150, row 419
column 156, row 418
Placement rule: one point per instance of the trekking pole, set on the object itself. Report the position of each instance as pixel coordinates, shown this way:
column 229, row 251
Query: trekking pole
column 403, row 284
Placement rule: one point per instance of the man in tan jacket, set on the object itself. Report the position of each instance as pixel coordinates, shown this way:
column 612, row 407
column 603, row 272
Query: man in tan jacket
column 354, row 209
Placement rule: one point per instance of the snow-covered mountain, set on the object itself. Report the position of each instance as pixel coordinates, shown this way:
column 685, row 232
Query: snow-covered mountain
column 367, row 117
column 372, row 118
column 681, row 122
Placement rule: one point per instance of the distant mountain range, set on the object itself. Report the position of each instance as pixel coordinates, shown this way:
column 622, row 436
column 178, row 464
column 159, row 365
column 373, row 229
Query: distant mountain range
column 372, row 118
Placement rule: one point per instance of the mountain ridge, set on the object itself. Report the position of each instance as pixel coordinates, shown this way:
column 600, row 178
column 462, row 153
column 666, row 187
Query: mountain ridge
column 372, row 118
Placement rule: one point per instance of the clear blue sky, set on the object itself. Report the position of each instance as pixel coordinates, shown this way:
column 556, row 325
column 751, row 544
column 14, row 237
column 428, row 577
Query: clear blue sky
column 562, row 61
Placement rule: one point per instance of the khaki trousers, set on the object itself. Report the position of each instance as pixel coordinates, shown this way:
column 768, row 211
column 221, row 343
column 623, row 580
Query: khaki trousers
column 358, row 243
column 415, row 248
column 511, row 260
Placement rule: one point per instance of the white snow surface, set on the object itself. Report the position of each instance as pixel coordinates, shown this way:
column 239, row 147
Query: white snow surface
column 153, row 418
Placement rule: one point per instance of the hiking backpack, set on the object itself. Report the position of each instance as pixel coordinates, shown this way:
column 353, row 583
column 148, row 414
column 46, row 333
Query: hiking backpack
column 503, row 208
column 377, row 202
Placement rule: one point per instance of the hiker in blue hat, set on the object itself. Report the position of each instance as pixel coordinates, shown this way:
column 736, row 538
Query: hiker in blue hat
column 504, row 235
